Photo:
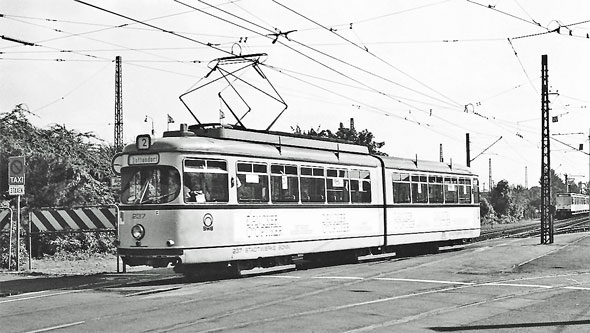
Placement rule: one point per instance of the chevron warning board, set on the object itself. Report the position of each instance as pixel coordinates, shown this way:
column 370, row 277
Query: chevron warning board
column 5, row 216
column 55, row 220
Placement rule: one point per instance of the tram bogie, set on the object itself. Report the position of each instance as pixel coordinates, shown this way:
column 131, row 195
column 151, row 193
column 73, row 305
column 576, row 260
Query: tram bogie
column 206, row 199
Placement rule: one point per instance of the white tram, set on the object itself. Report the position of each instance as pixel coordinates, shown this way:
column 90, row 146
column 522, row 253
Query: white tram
column 568, row 204
column 213, row 197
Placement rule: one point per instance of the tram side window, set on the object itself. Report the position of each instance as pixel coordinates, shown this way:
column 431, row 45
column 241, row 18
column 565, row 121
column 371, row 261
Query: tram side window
column 313, row 184
column 205, row 181
column 464, row 190
column 252, row 182
column 337, row 185
column 284, row 183
column 401, row 187
column 419, row 189
column 435, row 189
column 475, row 190
column 451, row 191
column 360, row 186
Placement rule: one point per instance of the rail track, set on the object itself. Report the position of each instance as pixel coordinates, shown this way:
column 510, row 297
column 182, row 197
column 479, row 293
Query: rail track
column 579, row 223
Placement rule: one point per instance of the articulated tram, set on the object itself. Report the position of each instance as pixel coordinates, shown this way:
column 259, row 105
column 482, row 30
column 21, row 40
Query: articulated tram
column 211, row 197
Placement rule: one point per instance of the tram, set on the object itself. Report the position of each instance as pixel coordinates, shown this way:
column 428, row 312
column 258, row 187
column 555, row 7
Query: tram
column 210, row 197
column 569, row 204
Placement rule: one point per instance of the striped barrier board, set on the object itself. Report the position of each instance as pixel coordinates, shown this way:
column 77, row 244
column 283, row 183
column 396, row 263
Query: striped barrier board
column 77, row 219
column 5, row 216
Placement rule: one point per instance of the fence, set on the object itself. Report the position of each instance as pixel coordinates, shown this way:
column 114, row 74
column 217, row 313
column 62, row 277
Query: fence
column 5, row 219
column 55, row 220
column 67, row 220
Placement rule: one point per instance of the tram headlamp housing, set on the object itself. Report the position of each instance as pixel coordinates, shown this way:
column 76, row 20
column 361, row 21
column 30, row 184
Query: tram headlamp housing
column 138, row 231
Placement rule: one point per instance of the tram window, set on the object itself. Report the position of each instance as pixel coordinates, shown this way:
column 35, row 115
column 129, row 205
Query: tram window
column 205, row 181
column 149, row 185
column 252, row 182
column 464, row 190
column 313, row 184
column 475, row 190
column 451, row 191
column 284, row 183
column 401, row 187
column 419, row 189
column 337, row 185
column 360, row 186
column 435, row 189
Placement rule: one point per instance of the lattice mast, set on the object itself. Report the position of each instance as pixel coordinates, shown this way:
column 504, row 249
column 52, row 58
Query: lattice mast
column 118, row 105
column 546, row 218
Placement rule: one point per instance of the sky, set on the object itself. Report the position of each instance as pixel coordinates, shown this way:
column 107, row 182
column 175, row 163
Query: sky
column 417, row 74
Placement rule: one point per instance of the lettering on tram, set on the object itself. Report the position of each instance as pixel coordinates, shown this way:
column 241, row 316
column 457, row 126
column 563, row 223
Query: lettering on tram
column 263, row 226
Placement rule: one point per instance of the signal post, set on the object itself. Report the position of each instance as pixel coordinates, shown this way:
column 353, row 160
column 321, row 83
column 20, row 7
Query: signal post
column 16, row 187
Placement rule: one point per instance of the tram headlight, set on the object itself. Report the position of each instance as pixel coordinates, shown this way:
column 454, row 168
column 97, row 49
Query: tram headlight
column 138, row 231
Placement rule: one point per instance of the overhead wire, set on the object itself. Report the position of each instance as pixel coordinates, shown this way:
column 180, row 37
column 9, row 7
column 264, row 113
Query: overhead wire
column 82, row 35
column 248, row 29
column 522, row 67
column 504, row 13
column 78, row 86
column 372, row 108
column 307, row 47
column 372, row 54
column 155, row 27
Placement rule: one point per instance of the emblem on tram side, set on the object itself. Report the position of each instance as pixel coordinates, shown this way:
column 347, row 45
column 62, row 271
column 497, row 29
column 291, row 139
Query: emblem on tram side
column 208, row 222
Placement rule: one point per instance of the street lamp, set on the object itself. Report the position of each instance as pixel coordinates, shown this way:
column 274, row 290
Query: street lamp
column 146, row 120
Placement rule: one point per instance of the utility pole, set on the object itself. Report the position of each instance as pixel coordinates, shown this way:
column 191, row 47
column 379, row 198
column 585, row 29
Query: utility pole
column 467, row 150
column 491, row 182
column 526, row 177
column 441, row 159
column 546, row 218
column 118, row 105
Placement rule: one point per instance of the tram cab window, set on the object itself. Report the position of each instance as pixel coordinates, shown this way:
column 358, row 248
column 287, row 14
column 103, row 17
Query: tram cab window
column 149, row 185
column 401, row 187
column 252, row 182
column 337, row 185
column 284, row 183
column 313, row 184
column 451, row 191
column 360, row 186
column 419, row 189
column 464, row 190
column 435, row 189
column 205, row 181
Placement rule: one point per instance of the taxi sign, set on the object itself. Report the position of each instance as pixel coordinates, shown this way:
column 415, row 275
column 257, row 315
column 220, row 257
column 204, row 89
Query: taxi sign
column 16, row 175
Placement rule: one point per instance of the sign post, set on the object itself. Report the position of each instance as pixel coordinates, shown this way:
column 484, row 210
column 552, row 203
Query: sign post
column 16, row 186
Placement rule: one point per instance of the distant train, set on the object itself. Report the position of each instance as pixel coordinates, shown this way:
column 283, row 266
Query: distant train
column 211, row 197
column 569, row 204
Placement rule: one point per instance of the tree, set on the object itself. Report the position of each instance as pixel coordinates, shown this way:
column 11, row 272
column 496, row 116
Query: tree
column 63, row 167
column 364, row 137
column 501, row 198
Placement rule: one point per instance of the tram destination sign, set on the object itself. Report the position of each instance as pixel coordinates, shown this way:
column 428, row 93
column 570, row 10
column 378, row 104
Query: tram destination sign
column 16, row 175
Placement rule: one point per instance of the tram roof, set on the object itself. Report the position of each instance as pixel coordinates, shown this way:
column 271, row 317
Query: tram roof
column 417, row 166
column 277, row 138
column 283, row 145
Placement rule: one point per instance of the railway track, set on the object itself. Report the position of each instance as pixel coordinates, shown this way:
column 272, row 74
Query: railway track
column 570, row 225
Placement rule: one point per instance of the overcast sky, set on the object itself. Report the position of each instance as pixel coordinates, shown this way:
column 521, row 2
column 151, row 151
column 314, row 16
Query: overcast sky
column 417, row 74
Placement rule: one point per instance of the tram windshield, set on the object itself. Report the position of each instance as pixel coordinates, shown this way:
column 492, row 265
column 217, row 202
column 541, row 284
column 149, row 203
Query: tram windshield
column 149, row 185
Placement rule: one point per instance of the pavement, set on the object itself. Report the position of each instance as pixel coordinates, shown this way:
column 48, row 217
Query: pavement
column 499, row 285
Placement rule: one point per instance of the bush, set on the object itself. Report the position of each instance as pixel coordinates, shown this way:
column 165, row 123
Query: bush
column 81, row 243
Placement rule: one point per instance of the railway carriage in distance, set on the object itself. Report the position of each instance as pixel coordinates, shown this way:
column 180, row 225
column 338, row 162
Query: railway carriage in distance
column 570, row 204
column 211, row 197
